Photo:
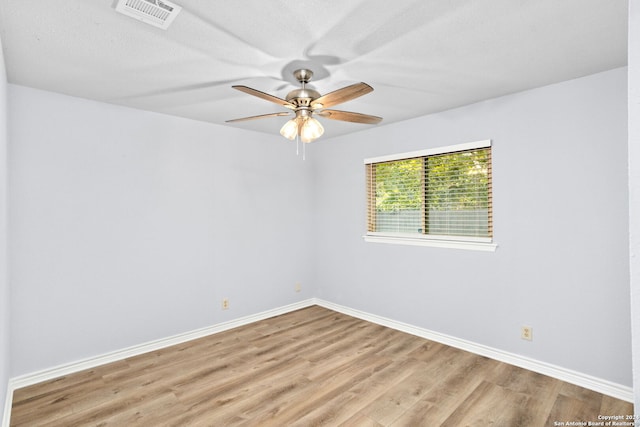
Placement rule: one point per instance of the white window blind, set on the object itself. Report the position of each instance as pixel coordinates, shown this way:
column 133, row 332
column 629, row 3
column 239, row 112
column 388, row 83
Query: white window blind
column 439, row 193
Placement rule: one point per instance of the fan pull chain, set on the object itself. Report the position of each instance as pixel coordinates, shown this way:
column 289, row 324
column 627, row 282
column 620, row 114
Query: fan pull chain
column 304, row 149
column 297, row 145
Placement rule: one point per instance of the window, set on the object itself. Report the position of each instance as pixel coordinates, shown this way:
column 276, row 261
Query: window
column 435, row 197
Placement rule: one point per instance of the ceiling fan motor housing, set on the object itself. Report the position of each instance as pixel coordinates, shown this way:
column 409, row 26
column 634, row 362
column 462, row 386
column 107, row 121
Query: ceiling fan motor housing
column 302, row 98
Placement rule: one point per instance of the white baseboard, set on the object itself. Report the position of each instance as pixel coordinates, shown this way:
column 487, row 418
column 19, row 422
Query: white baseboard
column 92, row 362
column 8, row 402
column 596, row 384
column 583, row 380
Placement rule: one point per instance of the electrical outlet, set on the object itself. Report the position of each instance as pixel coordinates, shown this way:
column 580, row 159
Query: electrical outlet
column 526, row 333
column 298, row 287
column 225, row 303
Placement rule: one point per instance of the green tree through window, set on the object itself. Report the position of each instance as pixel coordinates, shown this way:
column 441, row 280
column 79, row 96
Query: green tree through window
column 446, row 194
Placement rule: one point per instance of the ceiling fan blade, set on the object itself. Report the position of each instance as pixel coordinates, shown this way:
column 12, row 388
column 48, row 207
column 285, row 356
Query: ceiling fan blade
column 342, row 95
column 264, row 96
column 347, row 116
column 262, row 116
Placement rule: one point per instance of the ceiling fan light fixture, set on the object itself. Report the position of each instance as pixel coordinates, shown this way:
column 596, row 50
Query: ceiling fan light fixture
column 290, row 129
column 311, row 130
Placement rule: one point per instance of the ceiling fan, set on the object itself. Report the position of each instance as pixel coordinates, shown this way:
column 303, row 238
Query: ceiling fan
column 306, row 103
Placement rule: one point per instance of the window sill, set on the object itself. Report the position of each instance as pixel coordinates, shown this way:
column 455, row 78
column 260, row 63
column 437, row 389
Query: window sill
column 435, row 243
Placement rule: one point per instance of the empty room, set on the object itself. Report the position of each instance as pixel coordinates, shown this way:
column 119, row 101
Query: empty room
column 336, row 213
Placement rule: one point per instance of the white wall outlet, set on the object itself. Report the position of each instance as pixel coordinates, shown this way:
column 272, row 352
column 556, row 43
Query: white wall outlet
column 225, row 303
column 298, row 287
column 526, row 333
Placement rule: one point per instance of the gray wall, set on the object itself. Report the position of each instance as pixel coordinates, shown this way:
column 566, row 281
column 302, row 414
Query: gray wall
column 4, row 278
column 634, row 186
column 560, row 220
column 129, row 226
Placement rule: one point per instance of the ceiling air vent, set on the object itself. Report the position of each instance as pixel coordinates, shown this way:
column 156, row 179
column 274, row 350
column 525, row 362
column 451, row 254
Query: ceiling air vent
column 155, row 12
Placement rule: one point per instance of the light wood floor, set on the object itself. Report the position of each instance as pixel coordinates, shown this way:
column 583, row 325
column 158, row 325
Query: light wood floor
column 309, row 367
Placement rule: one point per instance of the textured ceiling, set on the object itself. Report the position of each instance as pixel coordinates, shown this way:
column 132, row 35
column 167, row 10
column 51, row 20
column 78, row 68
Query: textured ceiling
column 421, row 56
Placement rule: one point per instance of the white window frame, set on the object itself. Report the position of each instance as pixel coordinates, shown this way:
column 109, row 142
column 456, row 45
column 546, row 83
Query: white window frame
column 454, row 242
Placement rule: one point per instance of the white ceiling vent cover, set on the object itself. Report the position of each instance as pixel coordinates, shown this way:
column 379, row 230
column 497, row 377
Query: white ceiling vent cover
column 155, row 12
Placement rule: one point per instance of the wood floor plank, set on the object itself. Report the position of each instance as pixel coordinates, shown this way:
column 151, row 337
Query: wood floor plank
column 308, row 367
column 449, row 384
column 569, row 409
column 339, row 409
column 492, row 405
column 360, row 420
column 342, row 379
column 613, row 406
column 543, row 389
column 579, row 404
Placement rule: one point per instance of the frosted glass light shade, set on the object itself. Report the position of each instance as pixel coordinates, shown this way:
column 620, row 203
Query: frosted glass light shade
column 311, row 130
column 290, row 129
